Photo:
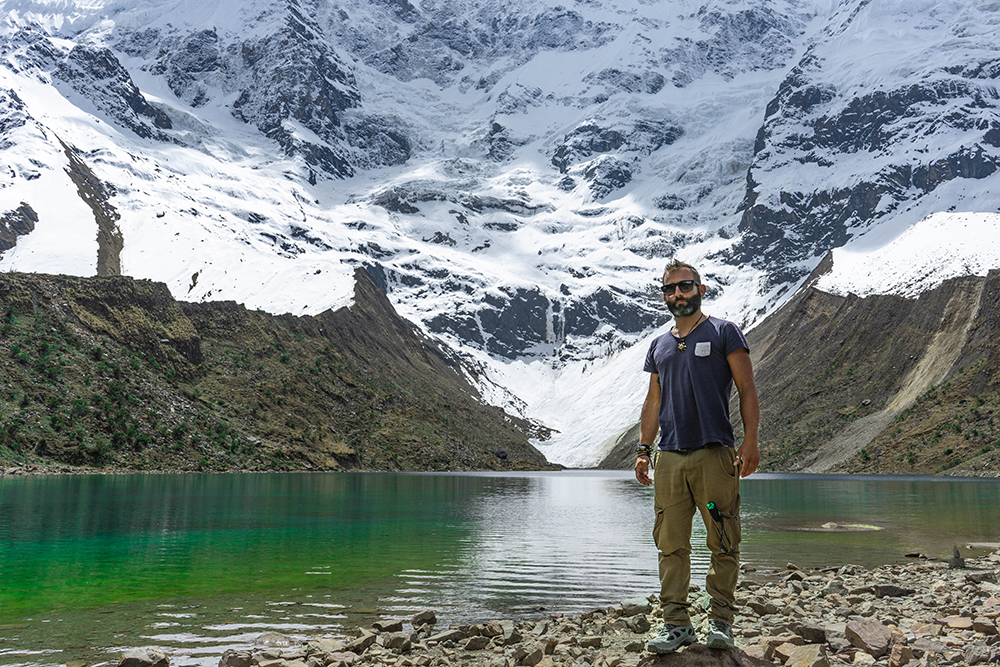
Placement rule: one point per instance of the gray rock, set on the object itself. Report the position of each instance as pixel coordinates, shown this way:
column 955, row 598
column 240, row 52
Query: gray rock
column 234, row 658
column 533, row 658
column 388, row 626
column 362, row 643
column 493, row 629
column 448, row 635
column 813, row 632
column 809, row 655
column 144, row 657
column 977, row 654
column 834, row 586
column 397, row 642
column 638, row 624
column 836, row 637
column 633, row 606
column 325, row 645
column 699, row 655
column 426, row 617
column 892, row 591
column 870, row 636
column 273, row 639
column 476, row 643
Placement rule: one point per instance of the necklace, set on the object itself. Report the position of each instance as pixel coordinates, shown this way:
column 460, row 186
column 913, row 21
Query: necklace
column 681, row 342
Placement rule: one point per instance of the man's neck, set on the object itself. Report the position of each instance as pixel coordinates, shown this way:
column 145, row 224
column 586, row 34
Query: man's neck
column 688, row 322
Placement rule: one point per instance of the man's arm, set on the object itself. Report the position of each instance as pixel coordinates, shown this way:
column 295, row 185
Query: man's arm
column 649, row 424
column 742, row 370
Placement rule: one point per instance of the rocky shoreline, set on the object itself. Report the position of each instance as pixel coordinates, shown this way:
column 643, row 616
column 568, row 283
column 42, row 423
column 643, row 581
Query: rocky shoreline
column 924, row 613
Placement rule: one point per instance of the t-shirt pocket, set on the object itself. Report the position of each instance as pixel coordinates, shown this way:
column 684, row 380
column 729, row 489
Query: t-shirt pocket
column 703, row 349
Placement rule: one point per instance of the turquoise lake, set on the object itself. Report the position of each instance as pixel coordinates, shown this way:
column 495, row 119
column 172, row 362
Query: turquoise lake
column 90, row 565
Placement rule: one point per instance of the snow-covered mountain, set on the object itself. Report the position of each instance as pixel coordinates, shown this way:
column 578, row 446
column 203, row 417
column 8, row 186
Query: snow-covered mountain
column 515, row 173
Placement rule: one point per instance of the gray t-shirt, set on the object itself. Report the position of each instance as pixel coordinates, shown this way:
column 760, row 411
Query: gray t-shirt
column 695, row 384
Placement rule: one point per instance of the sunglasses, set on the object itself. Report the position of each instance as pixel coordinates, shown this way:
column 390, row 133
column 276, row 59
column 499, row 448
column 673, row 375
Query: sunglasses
column 684, row 286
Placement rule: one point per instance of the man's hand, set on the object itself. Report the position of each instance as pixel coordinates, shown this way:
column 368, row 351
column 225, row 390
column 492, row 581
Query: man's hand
column 747, row 457
column 642, row 470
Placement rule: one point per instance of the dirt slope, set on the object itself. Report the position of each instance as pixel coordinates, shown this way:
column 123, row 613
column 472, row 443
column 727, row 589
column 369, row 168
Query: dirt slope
column 880, row 384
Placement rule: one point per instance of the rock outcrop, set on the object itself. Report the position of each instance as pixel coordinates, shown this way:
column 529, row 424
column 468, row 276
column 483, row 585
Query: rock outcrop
column 114, row 373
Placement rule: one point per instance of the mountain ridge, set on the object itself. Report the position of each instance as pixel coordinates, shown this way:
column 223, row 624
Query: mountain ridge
column 113, row 373
column 519, row 173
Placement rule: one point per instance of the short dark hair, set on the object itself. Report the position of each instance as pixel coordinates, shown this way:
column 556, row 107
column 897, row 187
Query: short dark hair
column 677, row 265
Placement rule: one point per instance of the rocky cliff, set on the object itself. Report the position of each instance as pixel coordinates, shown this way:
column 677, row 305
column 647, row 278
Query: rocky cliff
column 880, row 385
column 113, row 373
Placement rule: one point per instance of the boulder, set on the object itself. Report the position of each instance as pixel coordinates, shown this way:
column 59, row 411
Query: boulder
column 977, row 655
column 324, row 645
column 834, row 587
column 493, row 629
column 144, row 657
column 699, row 655
column 900, row 655
column 638, row 624
column 273, row 639
column 810, row 655
column 345, row 658
column 396, row 641
column 448, row 635
column 534, row 657
column 892, row 591
column 870, row 636
column 234, row 658
column 835, row 635
column 959, row 623
column 477, row 643
column 813, row 632
column 426, row 617
column 984, row 625
column 362, row 643
column 633, row 606
column 388, row 626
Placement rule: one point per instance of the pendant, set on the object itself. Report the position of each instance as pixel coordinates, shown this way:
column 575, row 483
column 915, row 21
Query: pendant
column 682, row 346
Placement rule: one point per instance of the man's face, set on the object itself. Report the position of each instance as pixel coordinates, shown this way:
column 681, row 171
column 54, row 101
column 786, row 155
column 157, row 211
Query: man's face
column 682, row 304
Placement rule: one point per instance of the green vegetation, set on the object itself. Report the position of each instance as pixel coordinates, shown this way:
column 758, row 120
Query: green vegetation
column 112, row 373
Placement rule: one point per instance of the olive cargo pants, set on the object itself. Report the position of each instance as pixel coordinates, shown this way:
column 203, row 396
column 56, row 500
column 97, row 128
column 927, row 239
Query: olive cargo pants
column 684, row 481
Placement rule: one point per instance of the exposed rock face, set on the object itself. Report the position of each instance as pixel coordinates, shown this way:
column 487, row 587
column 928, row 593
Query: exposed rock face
column 16, row 223
column 93, row 72
column 893, row 136
column 97, row 195
column 525, row 319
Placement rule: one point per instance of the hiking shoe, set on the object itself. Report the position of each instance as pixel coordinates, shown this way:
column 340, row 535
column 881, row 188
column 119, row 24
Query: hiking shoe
column 671, row 638
column 720, row 635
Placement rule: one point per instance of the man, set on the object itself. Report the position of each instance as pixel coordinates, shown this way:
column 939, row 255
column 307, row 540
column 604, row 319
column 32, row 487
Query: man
column 692, row 371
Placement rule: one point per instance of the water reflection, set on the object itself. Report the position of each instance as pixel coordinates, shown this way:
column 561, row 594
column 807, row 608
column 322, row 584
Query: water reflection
column 567, row 543
column 201, row 563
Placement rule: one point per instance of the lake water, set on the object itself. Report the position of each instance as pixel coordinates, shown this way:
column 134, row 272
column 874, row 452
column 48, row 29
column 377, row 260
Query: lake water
column 90, row 565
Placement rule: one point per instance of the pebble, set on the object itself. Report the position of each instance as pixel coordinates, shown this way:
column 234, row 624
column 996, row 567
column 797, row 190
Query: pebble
column 920, row 614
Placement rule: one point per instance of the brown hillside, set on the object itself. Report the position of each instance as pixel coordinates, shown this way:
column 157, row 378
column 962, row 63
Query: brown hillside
column 113, row 373
column 879, row 385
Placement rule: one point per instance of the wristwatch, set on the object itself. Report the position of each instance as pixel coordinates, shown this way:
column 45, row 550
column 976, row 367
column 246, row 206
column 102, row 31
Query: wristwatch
column 644, row 450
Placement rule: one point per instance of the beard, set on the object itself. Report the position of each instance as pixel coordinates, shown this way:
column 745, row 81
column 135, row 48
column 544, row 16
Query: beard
column 689, row 307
